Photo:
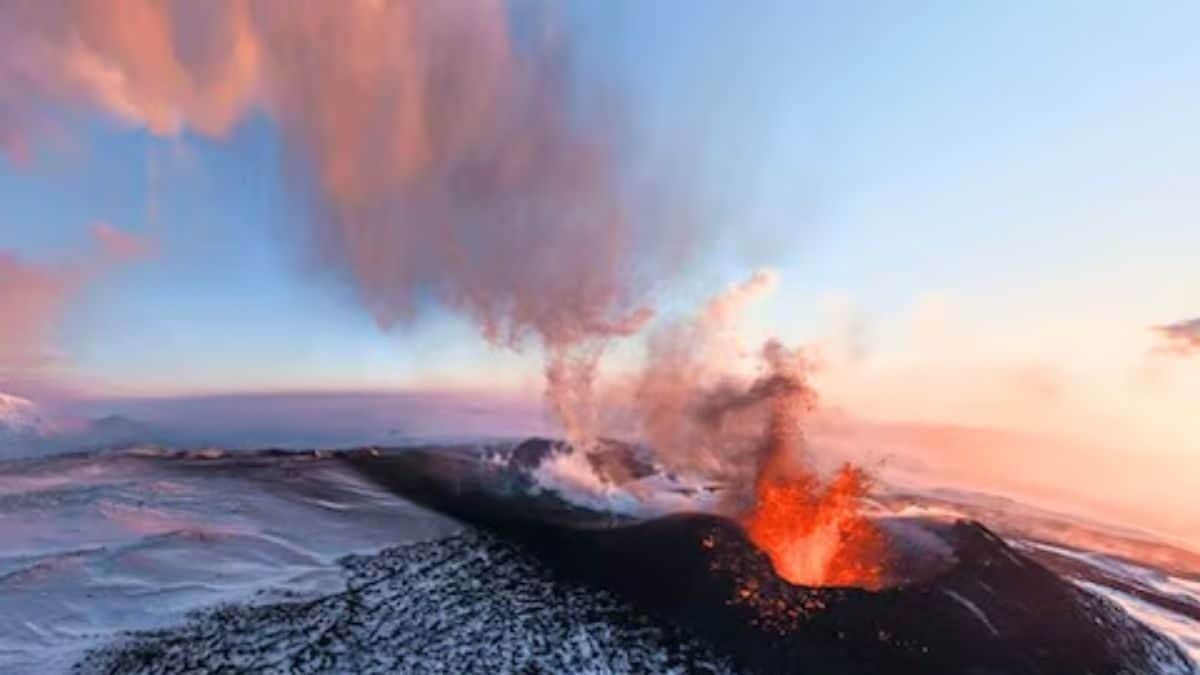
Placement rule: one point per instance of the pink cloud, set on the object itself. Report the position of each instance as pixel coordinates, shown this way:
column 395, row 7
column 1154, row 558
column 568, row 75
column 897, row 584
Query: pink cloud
column 121, row 245
column 1181, row 338
column 34, row 297
column 31, row 299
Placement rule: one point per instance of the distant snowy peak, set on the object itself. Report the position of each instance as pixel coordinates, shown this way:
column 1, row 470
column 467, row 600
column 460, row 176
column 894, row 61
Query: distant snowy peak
column 19, row 415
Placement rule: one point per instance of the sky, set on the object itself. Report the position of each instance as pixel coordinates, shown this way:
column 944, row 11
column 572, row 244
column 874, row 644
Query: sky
column 977, row 213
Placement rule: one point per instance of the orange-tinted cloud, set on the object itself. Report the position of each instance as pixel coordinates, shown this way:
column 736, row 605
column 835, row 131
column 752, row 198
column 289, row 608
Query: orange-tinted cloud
column 120, row 245
column 31, row 298
column 1181, row 338
column 165, row 65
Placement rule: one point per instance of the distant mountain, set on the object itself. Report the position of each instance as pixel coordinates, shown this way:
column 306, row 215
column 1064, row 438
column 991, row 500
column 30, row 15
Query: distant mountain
column 25, row 428
column 116, row 430
column 20, row 417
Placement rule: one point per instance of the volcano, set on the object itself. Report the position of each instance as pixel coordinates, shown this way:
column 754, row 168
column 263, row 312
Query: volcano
column 958, row 599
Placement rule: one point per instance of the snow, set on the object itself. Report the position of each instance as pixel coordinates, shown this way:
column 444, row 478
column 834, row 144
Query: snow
column 571, row 476
column 1184, row 630
column 94, row 544
column 19, row 415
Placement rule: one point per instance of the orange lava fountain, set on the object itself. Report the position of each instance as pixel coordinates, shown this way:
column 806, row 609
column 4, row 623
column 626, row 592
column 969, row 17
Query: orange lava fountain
column 812, row 529
column 814, row 533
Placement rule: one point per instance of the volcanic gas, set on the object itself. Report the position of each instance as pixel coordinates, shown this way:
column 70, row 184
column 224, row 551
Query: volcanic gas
column 703, row 416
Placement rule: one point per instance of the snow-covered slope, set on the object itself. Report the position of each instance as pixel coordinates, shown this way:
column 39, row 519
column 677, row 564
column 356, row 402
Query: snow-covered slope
column 19, row 416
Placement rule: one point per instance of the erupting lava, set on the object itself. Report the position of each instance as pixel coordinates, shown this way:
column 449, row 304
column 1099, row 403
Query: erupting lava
column 705, row 418
column 814, row 532
column 812, row 529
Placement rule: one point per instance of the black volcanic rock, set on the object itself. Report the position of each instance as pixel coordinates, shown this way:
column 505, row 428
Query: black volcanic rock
column 991, row 610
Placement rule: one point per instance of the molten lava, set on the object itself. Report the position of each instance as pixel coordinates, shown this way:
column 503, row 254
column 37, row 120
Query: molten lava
column 813, row 530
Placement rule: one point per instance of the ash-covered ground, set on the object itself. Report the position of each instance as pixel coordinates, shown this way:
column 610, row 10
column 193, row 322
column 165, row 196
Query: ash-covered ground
column 464, row 604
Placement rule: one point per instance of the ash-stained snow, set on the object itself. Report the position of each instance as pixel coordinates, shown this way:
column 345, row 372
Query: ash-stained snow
column 465, row 604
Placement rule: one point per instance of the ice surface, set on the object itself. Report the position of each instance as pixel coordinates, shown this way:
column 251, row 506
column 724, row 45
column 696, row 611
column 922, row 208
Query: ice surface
column 95, row 544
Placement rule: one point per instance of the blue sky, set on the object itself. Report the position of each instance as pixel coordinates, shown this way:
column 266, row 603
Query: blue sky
column 1036, row 162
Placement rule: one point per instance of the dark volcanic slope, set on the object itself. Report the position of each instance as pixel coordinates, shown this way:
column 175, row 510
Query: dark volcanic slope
column 468, row 604
column 992, row 611
column 544, row 586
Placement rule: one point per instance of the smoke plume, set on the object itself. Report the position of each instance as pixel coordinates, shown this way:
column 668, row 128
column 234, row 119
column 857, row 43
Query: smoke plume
column 445, row 157
column 705, row 416
column 691, row 405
